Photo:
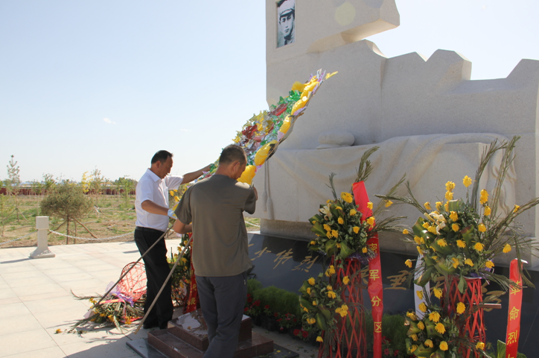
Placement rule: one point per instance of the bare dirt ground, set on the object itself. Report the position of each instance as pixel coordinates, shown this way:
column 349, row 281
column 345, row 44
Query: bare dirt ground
column 112, row 215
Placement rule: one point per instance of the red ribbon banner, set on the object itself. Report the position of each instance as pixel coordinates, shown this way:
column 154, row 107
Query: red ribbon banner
column 375, row 287
column 513, row 315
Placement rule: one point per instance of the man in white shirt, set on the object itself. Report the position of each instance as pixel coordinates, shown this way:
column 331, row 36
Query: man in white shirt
column 152, row 221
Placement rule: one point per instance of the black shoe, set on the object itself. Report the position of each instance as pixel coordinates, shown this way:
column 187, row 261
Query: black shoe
column 163, row 325
column 149, row 325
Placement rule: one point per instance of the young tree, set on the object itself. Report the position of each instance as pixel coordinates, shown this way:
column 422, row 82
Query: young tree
column 14, row 178
column 96, row 183
column 6, row 210
column 66, row 201
column 48, row 183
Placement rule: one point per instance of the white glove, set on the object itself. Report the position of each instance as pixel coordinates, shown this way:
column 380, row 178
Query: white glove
column 171, row 214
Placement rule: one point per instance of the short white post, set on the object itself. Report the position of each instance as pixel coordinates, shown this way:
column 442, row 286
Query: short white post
column 42, row 251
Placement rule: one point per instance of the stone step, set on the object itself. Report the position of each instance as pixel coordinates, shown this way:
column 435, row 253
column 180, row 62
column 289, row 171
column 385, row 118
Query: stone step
column 192, row 329
column 173, row 347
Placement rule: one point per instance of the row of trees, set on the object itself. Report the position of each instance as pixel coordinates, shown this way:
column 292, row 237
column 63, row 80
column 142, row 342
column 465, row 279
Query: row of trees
column 66, row 199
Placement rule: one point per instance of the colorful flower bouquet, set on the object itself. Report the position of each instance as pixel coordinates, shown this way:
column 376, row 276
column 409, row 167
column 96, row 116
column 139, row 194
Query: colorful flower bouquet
column 262, row 133
column 181, row 277
column 438, row 333
column 321, row 299
column 340, row 228
column 461, row 238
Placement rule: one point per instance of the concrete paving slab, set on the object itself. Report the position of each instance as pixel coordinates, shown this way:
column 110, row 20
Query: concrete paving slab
column 51, row 352
column 13, row 310
column 35, row 301
column 20, row 323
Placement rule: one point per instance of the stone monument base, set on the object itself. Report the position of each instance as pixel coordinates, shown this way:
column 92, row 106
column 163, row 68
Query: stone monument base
column 187, row 336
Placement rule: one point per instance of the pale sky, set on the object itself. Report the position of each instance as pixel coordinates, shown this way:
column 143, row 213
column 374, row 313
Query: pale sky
column 101, row 84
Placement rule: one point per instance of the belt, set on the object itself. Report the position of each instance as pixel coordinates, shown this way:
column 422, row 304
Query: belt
column 148, row 229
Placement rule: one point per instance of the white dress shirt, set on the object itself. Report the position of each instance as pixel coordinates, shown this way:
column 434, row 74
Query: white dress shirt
column 151, row 187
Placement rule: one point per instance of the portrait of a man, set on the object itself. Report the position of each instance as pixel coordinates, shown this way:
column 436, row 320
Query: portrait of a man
column 286, row 16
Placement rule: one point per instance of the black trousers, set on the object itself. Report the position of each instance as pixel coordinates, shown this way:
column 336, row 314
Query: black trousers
column 222, row 300
column 157, row 270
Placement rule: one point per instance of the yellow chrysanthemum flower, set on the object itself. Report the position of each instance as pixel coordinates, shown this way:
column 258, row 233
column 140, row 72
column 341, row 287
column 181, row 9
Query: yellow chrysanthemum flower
column 345, row 280
column 311, row 320
column 369, row 205
column 411, row 315
column 448, row 195
column 453, row 216
column 329, row 288
column 461, row 244
column 506, row 248
column 311, row 281
column 417, row 240
column 441, row 242
column 467, row 181
column 364, row 250
column 449, row 186
column 332, row 294
column 353, row 212
column 340, row 221
column 440, row 328
column 483, row 197
column 469, row 262
column 425, row 225
column 461, row 307
column 335, row 233
column 414, row 337
column 413, row 348
column 313, row 242
column 315, row 303
column 443, row 345
column 370, row 221
column 347, row 197
column 437, row 292
column 487, row 211
column 405, row 232
column 481, row 227
column 455, row 262
column 480, row 346
column 327, row 227
column 421, row 325
column 446, row 206
column 489, row 264
column 439, row 205
column 328, row 235
column 419, row 294
column 516, row 208
column 319, row 339
column 434, row 316
column 356, row 229
column 408, row 263
column 428, row 343
column 427, row 206
column 309, row 291
column 479, row 246
column 455, row 227
column 388, row 203
column 423, row 307
column 419, row 250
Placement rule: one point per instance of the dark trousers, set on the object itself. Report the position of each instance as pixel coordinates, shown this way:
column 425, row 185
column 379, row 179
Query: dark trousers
column 222, row 300
column 157, row 270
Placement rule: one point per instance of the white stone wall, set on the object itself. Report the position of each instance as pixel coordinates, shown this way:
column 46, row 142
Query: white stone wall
column 377, row 100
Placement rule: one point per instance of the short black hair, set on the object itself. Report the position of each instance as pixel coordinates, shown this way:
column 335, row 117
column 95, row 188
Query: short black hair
column 161, row 156
column 232, row 153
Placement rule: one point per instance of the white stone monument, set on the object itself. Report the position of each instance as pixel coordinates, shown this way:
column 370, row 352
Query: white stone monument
column 430, row 120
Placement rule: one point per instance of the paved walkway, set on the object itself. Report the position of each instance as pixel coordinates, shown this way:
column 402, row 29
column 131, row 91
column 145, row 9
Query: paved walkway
column 36, row 300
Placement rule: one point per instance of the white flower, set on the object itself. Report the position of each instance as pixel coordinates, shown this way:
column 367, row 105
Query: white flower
column 325, row 210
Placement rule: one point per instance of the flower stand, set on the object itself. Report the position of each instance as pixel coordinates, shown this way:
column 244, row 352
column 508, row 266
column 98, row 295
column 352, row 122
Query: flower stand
column 473, row 327
column 350, row 339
